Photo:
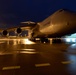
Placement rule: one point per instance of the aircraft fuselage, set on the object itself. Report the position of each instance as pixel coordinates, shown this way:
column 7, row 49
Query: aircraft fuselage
column 59, row 24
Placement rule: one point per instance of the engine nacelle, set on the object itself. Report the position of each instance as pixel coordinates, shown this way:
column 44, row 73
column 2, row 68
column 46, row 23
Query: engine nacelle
column 19, row 30
column 5, row 32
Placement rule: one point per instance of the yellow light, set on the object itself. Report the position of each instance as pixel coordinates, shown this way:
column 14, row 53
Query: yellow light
column 27, row 41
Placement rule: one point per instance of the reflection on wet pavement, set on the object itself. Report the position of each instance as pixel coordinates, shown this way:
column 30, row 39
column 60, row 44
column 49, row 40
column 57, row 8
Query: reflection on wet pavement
column 23, row 57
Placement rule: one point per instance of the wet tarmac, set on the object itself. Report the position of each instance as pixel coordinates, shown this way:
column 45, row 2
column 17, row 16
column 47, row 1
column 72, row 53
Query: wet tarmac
column 23, row 57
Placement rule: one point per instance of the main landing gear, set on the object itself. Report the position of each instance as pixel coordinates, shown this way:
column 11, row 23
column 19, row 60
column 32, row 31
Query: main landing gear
column 56, row 40
column 46, row 40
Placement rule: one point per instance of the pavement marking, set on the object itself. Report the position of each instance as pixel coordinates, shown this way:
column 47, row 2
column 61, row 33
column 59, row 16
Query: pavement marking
column 28, row 49
column 2, row 42
column 11, row 67
column 67, row 62
column 6, row 53
column 43, row 64
column 27, row 52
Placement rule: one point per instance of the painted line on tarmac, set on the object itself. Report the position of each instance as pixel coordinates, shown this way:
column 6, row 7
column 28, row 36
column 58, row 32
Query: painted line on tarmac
column 27, row 52
column 67, row 62
column 11, row 67
column 2, row 42
column 6, row 53
column 43, row 64
column 28, row 49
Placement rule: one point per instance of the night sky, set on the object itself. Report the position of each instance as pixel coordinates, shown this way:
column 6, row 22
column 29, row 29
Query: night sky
column 12, row 12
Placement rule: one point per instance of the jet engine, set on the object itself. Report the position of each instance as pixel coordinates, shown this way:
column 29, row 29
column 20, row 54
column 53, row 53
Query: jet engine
column 5, row 32
column 19, row 30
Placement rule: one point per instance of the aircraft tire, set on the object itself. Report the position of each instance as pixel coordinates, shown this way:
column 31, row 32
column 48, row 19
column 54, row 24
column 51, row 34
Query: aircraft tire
column 42, row 40
column 56, row 40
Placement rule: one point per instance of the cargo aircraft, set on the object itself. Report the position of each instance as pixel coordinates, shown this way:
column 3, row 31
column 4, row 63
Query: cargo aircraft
column 60, row 23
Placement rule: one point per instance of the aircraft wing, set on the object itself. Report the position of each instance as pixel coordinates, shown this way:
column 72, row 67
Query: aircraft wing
column 23, row 26
column 18, row 29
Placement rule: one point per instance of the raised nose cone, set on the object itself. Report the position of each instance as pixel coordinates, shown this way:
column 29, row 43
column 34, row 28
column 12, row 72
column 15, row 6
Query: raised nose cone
column 63, row 12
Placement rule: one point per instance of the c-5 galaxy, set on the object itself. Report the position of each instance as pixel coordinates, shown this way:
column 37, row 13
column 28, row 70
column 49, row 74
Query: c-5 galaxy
column 60, row 23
